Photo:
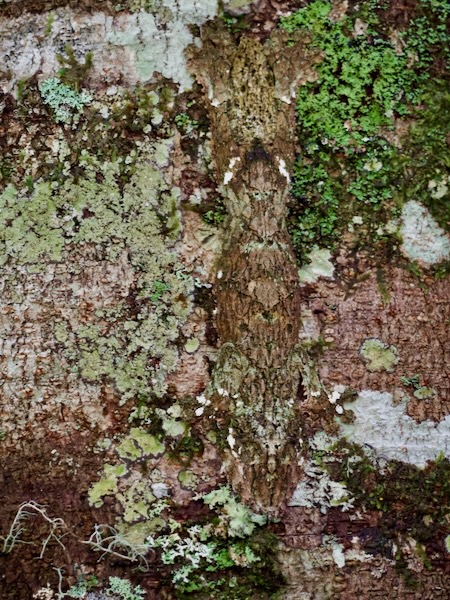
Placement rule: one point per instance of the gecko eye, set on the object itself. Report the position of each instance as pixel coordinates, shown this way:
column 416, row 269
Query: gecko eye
column 257, row 153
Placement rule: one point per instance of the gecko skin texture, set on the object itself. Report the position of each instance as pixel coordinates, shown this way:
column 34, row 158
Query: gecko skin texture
column 256, row 387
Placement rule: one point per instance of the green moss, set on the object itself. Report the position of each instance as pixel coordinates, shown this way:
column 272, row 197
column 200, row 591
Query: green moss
column 424, row 167
column 348, row 164
column 183, row 449
column 378, row 356
column 73, row 72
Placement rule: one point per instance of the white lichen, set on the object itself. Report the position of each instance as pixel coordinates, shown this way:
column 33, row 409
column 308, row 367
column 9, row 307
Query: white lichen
column 317, row 489
column 158, row 43
column 320, row 265
column 229, row 174
column 231, row 439
column 393, row 435
column 423, row 239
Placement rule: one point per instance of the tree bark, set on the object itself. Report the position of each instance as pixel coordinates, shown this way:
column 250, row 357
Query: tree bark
column 171, row 364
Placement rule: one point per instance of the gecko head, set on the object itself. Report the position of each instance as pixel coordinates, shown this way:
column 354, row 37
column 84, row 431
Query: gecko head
column 257, row 153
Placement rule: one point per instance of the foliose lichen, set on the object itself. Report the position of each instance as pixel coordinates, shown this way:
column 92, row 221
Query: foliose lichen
column 62, row 99
column 318, row 264
column 379, row 356
column 317, row 488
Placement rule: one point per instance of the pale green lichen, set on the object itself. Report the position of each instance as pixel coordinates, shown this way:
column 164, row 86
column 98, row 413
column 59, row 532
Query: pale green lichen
column 174, row 428
column 136, row 501
column 64, row 101
column 379, row 356
column 30, row 231
column 188, row 479
column 191, row 345
column 107, row 485
column 132, row 490
column 129, row 342
column 149, row 444
column 136, row 534
column 240, row 520
column 423, row 393
column 128, row 449
column 138, row 444
column 118, row 589
column 124, row 590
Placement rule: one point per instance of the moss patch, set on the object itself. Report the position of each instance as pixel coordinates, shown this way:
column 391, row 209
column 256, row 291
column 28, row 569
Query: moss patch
column 349, row 165
column 413, row 502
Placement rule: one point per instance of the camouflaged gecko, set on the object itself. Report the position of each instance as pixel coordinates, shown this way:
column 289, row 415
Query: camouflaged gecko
column 257, row 384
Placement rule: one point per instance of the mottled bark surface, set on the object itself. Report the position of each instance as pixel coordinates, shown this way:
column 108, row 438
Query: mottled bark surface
column 162, row 342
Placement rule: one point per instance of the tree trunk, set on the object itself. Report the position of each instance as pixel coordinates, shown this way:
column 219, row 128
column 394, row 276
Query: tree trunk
column 224, row 239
